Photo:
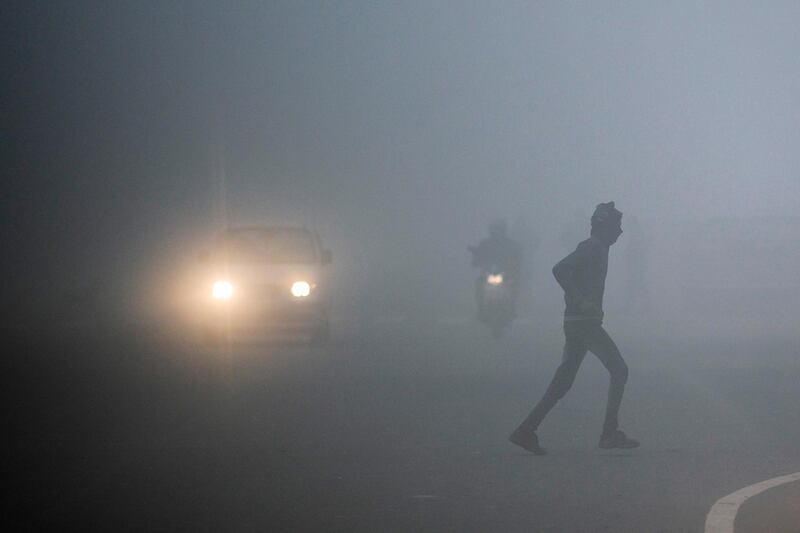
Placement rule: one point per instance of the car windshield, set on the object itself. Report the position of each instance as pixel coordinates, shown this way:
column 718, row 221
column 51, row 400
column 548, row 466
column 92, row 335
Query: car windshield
column 271, row 245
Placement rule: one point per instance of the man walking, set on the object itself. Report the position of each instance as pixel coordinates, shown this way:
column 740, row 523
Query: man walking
column 582, row 275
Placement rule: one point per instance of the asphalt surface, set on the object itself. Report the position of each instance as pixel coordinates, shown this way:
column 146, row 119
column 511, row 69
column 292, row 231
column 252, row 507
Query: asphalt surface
column 776, row 510
column 395, row 427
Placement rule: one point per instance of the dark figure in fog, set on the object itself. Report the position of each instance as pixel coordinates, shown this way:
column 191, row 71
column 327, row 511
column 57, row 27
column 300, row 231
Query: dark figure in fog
column 499, row 251
column 582, row 275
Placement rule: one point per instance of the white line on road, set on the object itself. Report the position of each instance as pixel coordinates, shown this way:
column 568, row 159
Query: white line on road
column 723, row 513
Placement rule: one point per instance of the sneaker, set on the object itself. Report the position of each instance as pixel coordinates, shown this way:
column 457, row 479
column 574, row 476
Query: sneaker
column 618, row 439
column 526, row 438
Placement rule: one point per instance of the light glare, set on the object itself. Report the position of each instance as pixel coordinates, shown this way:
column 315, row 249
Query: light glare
column 222, row 290
column 494, row 279
column 301, row 289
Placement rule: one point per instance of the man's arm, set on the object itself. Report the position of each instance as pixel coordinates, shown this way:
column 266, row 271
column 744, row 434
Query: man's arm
column 564, row 272
column 480, row 254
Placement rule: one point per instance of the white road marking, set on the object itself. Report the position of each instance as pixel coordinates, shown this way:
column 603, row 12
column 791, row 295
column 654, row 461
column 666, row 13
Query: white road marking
column 723, row 513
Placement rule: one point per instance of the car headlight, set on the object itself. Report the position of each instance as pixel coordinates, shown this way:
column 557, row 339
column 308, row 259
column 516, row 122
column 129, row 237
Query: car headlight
column 494, row 279
column 301, row 289
column 222, row 290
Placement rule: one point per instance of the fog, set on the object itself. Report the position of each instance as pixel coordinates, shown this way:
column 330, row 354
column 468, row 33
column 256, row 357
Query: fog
column 134, row 133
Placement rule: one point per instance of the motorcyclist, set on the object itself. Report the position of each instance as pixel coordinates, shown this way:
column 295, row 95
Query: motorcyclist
column 499, row 252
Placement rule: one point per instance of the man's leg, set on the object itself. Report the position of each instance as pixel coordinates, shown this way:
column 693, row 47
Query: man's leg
column 601, row 344
column 574, row 351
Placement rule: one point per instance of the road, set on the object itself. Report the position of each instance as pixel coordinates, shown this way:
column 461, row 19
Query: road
column 393, row 428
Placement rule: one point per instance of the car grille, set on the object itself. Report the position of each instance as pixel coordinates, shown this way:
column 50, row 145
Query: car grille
column 269, row 292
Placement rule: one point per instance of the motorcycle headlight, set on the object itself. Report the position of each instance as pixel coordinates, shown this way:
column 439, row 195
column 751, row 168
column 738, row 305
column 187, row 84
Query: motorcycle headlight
column 222, row 290
column 494, row 279
column 301, row 289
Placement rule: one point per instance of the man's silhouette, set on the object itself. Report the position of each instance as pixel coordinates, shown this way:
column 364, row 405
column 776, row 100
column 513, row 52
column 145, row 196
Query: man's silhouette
column 582, row 275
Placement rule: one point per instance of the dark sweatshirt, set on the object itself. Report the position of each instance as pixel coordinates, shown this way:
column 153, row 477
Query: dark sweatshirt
column 582, row 275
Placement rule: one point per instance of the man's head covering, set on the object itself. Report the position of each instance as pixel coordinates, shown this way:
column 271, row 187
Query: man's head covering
column 605, row 214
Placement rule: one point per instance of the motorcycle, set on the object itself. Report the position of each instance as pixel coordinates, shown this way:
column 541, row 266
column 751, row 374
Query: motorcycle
column 495, row 300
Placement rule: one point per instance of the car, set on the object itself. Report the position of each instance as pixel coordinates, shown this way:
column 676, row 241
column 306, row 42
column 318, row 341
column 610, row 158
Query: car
column 266, row 280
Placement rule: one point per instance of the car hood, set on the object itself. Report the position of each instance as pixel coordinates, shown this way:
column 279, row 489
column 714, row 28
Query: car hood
column 269, row 274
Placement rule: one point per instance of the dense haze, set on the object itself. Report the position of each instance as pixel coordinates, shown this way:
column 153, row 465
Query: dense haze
column 133, row 133
column 399, row 131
